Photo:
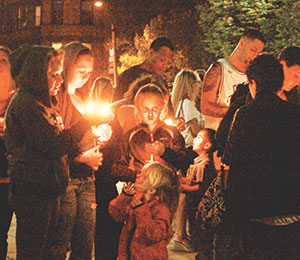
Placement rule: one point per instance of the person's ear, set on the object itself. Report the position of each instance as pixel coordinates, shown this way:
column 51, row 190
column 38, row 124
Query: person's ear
column 242, row 42
column 207, row 145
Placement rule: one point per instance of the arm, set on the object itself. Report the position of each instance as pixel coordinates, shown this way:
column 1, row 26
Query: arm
column 211, row 83
column 122, row 169
column 118, row 207
column 190, row 188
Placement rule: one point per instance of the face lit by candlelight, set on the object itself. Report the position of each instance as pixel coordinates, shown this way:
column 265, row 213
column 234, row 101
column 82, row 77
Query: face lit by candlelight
column 54, row 72
column 149, row 108
column 80, row 71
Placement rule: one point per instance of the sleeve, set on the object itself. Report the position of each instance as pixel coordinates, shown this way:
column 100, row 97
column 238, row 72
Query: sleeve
column 45, row 137
column 120, row 168
column 118, row 207
column 152, row 225
column 190, row 111
column 223, row 129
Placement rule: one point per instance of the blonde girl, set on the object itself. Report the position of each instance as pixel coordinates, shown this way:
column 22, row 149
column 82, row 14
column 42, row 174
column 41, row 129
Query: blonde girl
column 146, row 207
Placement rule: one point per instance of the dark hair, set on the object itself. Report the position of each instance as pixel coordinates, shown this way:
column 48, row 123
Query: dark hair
column 267, row 73
column 291, row 55
column 5, row 49
column 211, row 135
column 254, row 34
column 160, row 42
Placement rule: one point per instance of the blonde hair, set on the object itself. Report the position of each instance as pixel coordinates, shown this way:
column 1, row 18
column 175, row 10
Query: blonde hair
column 166, row 183
column 183, row 87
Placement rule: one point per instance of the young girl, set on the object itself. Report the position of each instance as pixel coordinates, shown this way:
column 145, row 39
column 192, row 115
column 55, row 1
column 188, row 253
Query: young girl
column 146, row 208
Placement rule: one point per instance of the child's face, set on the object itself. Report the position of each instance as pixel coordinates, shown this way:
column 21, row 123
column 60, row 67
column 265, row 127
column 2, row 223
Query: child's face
column 199, row 141
column 150, row 107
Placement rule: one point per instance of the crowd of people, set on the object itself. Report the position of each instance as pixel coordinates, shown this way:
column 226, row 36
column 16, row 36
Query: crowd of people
column 63, row 162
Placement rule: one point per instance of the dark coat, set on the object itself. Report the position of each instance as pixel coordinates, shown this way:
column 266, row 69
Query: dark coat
column 264, row 153
column 35, row 138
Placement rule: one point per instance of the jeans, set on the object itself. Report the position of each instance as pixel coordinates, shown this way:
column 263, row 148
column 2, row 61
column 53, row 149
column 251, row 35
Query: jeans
column 77, row 219
column 5, row 219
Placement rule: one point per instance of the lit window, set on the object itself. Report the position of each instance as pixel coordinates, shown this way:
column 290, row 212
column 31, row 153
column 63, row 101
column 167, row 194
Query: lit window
column 38, row 15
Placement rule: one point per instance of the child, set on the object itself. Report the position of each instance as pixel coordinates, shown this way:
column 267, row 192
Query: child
column 199, row 176
column 146, row 208
column 150, row 140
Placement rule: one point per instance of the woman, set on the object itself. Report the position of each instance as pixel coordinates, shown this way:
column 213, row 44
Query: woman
column 186, row 89
column 37, row 146
column 78, row 206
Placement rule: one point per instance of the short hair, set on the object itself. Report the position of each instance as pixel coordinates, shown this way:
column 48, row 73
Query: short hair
column 211, row 136
column 254, row 34
column 5, row 49
column 267, row 72
column 160, row 42
column 291, row 55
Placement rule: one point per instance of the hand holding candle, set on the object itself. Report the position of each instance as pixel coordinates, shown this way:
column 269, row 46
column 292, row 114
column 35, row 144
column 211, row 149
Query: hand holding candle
column 102, row 133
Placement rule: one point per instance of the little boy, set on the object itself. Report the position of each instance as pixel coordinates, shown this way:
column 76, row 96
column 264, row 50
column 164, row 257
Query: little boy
column 151, row 140
column 199, row 176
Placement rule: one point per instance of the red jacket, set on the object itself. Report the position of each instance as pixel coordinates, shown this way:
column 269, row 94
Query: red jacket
column 147, row 229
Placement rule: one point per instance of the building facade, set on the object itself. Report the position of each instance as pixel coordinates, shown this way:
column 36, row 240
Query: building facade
column 55, row 23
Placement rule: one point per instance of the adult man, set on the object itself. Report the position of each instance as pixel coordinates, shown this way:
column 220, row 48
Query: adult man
column 224, row 75
column 158, row 59
column 290, row 60
column 263, row 198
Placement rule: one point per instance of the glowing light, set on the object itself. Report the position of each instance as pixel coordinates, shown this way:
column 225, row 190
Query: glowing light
column 98, row 4
column 170, row 122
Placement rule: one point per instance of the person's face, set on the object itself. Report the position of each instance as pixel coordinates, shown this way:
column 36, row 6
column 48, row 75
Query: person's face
column 160, row 60
column 4, row 63
column 150, row 107
column 199, row 141
column 250, row 48
column 54, row 72
column 291, row 76
column 81, row 71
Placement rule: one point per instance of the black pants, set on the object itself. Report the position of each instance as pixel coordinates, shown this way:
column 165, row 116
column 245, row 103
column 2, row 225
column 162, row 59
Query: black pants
column 5, row 219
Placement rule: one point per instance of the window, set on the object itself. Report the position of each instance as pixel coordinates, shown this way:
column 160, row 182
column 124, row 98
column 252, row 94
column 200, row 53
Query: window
column 22, row 17
column 57, row 11
column 38, row 15
column 86, row 12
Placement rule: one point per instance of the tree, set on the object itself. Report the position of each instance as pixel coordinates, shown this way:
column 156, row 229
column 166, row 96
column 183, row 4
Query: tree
column 223, row 22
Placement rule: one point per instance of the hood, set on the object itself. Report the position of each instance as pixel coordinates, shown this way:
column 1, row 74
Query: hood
column 71, row 51
column 29, row 69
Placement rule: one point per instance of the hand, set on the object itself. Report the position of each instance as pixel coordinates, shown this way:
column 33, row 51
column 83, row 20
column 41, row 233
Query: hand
column 92, row 157
column 180, row 124
column 156, row 148
column 102, row 132
column 129, row 188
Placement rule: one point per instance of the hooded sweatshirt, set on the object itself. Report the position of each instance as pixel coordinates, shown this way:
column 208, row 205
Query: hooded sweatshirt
column 70, row 114
column 35, row 138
